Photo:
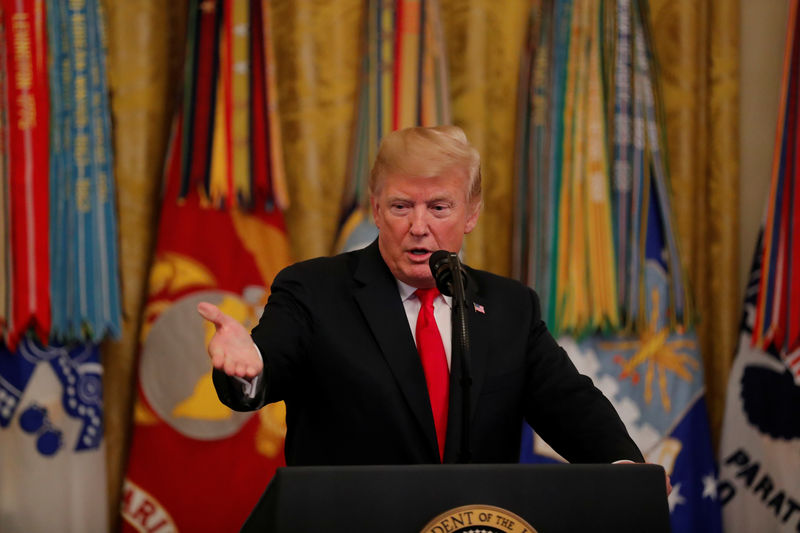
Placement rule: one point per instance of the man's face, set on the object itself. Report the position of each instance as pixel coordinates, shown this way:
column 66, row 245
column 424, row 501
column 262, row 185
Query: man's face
column 418, row 216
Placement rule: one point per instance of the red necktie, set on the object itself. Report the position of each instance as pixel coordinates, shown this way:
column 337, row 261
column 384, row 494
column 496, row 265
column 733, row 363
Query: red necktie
column 434, row 363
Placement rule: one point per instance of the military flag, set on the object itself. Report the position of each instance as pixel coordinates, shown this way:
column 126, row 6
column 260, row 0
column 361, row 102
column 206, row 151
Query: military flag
column 221, row 239
column 52, row 465
column 60, row 262
column 594, row 236
column 759, row 452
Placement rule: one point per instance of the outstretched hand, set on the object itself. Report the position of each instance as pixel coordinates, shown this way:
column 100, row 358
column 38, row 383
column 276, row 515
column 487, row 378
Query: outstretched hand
column 231, row 349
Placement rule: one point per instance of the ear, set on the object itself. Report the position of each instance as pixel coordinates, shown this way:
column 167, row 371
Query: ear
column 472, row 218
column 376, row 207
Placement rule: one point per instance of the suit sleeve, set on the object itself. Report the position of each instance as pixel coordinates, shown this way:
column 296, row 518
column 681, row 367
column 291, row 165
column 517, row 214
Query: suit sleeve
column 564, row 406
column 282, row 335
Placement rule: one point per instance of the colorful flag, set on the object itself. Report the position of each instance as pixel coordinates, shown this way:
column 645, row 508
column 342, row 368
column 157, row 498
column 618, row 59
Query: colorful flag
column 654, row 379
column 222, row 241
column 403, row 84
column 594, row 236
column 60, row 257
column 188, row 447
column 759, row 452
column 52, row 465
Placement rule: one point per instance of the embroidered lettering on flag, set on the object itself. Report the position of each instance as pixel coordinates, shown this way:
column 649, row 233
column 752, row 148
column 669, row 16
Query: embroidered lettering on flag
column 27, row 132
column 759, row 453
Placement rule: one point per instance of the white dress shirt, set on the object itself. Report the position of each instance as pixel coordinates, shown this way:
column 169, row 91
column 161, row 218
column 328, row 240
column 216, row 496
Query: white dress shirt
column 442, row 306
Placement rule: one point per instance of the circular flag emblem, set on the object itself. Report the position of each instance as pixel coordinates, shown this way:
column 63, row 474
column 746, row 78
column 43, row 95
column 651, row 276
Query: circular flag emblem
column 175, row 372
column 478, row 519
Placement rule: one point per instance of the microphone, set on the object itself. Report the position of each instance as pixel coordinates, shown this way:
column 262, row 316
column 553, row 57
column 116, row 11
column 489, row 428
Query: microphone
column 450, row 280
column 442, row 264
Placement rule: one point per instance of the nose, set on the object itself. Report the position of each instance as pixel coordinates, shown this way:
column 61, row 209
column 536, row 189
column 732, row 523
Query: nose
column 419, row 222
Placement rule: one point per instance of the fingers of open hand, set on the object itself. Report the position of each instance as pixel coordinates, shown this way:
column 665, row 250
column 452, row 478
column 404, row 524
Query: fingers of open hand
column 217, row 354
column 211, row 312
column 243, row 369
column 235, row 359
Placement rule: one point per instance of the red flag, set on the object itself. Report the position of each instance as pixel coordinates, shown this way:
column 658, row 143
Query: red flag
column 194, row 463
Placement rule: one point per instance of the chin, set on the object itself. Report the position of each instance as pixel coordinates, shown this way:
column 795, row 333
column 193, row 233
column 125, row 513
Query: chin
column 420, row 281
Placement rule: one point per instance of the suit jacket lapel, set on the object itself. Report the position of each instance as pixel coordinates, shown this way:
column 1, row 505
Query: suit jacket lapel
column 479, row 338
column 380, row 303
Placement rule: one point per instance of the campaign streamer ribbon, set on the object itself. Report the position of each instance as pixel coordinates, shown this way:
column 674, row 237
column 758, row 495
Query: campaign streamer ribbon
column 81, row 180
column 623, row 152
column 231, row 152
column 202, row 65
column 584, row 205
column 4, row 242
column 28, row 167
column 777, row 313
column 679, row 310
column 220, row 180
column 403, row 84
column 60, row 141
column 561, row 36
column 277, row 169
column 523, row 171
column 604, row 312
column 107, row 317
column 260, row 155
column 239, row 39
column 84, row 258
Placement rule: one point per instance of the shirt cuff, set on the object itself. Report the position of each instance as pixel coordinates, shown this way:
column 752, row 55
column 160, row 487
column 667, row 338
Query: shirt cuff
column 250, row 385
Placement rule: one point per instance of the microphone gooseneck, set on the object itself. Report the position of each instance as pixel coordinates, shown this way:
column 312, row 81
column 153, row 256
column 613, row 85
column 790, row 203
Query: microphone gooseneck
column 443, row 265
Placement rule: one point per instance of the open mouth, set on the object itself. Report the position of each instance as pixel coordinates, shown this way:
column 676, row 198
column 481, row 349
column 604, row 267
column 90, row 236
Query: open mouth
column 419, row 252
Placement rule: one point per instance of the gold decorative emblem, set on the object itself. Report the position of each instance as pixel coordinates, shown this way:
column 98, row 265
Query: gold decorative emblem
column 656, row 353
column 478, row 518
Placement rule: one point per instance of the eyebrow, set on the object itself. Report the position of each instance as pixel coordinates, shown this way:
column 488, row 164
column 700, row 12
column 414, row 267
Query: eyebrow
column 445, row 199
column 393, row 199
column 433, row 200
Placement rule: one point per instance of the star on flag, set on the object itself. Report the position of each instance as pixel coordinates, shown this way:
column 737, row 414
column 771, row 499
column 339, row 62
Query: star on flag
column 710, row 486
column 674, row 499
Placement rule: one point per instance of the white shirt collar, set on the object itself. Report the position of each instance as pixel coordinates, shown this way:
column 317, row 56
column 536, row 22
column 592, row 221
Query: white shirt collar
column 407, row 291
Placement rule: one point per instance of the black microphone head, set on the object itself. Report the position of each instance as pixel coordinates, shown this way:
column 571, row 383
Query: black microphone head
column 442, row 265
column 438, row 260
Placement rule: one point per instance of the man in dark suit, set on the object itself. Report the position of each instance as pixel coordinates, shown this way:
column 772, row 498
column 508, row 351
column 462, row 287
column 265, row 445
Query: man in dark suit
column 359, row 346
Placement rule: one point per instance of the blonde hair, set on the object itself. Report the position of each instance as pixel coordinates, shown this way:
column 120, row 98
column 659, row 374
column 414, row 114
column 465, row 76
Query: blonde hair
column 426, row 152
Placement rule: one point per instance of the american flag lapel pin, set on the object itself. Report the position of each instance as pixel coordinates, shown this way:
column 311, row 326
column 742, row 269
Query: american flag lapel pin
column 479, row 308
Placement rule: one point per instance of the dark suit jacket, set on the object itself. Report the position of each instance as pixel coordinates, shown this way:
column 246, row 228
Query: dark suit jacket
column 337, row 348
